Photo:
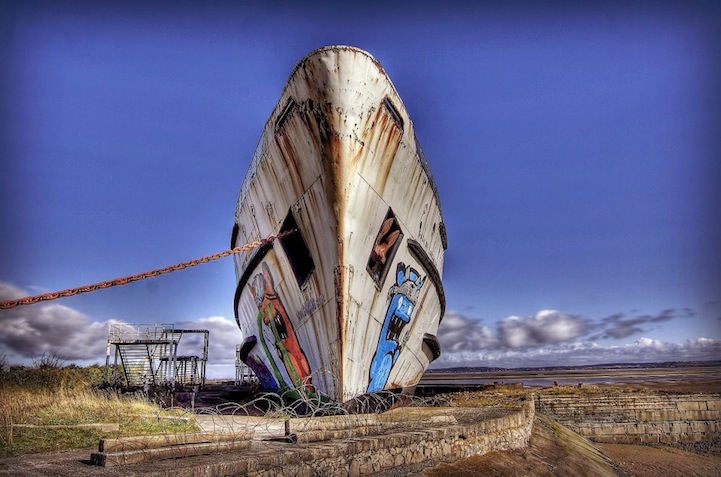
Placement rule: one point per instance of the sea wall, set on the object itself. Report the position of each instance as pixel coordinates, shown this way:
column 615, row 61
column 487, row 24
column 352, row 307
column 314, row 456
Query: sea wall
column 368, row 455
column 637, row 418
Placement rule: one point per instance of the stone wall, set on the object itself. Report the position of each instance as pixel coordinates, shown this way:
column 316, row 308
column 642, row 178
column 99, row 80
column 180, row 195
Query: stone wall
column 637, row 418
column 368, row 455
column 469, row 432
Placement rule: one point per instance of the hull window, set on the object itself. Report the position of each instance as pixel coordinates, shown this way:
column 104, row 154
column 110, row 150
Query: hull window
column 284, row 115
column 296, row 250
column 394, row 112
column 234, row 236
column 384, row 248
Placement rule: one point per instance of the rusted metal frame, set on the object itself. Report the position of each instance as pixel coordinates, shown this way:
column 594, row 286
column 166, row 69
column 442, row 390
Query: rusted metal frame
column 199, row 362
column 124, row 366
column 417, row 250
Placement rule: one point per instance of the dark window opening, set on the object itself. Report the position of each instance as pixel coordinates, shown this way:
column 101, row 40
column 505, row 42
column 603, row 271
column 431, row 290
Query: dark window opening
column 234, row 236
column 394, row 112
column 284, row 115
column 444, row 237
column 431, row 342
column 296, row 250
column 384, row 248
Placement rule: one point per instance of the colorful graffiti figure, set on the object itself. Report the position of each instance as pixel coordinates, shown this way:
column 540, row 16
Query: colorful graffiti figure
column 272, row 314
column 402, row 298
column 264, row 375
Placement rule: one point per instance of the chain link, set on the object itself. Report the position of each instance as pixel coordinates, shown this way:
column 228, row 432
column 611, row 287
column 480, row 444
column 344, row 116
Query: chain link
column 5, row 305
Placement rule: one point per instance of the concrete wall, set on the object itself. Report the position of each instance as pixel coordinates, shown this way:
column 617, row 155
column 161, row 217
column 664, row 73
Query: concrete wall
column 633, row 419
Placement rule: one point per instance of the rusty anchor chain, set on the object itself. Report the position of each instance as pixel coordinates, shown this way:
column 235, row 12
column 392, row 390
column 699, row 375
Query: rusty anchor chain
column 6, row 305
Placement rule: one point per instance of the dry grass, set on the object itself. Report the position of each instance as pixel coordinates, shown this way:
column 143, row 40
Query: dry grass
column 510, row 397
column 59, row 396
column 591, row 389
column 64, row 407
column 503, row 398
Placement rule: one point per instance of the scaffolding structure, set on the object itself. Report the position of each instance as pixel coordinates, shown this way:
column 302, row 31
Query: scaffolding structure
column 243, row 373
column 147, row 355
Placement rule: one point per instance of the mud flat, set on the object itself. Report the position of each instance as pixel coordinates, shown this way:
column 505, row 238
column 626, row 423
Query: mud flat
column 699, row 378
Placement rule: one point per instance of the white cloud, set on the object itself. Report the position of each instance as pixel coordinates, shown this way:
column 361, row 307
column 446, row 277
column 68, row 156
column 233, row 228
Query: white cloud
column 619, row 326
column 458, row 333
column 545, row 327
column 29, row 331
column 643, row 350
column 224, row 336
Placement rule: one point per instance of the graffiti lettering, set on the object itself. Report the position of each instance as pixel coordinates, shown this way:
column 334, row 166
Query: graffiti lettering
column 309, row 307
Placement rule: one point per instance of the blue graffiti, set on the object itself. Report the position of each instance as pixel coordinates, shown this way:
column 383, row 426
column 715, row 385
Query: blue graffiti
column 265, row 377
column 402, row 299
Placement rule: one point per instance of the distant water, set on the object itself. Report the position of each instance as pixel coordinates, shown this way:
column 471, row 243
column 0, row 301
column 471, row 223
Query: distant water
column 532, row 382
column 572, row 377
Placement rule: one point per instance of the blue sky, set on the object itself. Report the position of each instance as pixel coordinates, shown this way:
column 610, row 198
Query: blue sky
column 575, row 148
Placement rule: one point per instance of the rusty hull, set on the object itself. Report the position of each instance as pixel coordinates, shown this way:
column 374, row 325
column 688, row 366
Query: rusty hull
column 338, row 152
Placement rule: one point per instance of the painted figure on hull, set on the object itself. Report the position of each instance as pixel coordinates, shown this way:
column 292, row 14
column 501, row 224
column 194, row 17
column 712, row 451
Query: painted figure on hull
column 264, row 375
column 402, row 298
column 272, row 316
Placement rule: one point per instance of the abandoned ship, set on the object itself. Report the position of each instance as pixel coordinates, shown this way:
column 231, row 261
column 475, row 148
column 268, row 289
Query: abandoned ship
column 350, row 301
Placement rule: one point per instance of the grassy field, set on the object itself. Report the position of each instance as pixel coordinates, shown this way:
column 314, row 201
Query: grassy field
column 41, row 405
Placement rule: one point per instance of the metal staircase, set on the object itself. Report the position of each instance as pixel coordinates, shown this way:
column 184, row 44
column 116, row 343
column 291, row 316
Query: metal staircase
column 149, row 355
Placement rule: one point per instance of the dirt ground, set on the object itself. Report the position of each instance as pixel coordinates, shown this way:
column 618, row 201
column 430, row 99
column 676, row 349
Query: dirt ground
column 644, row 461
column 664, row 461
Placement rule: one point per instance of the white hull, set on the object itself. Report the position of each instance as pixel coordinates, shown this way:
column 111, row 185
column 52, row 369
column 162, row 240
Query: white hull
column 351, row 303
